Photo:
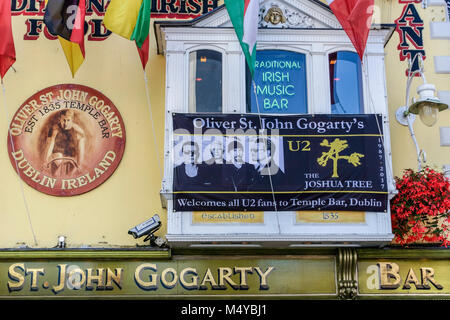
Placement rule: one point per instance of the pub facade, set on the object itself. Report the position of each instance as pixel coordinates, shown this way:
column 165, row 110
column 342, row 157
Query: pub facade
column 194, row 178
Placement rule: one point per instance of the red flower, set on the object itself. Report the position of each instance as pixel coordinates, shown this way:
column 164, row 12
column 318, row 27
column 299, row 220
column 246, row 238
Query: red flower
column 421, row 209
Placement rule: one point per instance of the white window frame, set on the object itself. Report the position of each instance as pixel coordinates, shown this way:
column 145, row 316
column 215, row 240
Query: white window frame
column 365, row 87
column 195, row 47
column 279, row 228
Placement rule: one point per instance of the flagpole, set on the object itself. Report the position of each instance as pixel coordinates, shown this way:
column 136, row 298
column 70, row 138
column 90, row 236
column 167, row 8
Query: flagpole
column 17, row 166
column 270, row 173
column 372, row 107
column 153, row 123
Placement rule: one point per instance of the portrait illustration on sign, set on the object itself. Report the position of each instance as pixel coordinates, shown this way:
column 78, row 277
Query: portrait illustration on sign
column 63, row 144
column 66, row 140
column 232, row 163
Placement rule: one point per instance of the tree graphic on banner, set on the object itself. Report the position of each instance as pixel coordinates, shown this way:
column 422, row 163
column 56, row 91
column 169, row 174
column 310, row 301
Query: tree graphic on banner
column 336, row 147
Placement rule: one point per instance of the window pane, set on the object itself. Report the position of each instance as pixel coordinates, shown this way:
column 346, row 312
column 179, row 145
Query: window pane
column 280, row 78
column 345, row 83
column 205, row 81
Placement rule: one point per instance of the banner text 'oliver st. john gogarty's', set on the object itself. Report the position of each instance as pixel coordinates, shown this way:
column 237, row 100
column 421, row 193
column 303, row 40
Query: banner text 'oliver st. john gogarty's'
column 279, row 163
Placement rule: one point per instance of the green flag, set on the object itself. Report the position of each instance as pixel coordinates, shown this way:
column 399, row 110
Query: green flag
column 244, row 17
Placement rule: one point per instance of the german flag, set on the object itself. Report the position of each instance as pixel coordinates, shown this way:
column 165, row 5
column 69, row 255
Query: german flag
column 65, row 18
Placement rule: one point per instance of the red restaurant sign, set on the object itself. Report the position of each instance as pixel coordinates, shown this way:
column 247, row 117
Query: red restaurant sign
column 66, row 140
column 409, row 27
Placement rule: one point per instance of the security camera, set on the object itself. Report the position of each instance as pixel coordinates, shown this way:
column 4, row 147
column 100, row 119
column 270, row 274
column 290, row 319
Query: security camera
column 148, row 228
column 61, row 242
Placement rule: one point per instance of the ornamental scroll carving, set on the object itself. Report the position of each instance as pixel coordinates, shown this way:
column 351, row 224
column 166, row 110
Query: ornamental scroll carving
column 277, row 16
column 346, row 274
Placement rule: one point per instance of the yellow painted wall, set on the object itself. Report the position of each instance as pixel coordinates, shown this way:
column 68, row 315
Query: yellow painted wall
column 403, row 149
column 103, row 216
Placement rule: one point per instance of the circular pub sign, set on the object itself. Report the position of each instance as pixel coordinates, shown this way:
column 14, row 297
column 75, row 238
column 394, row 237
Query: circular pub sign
column 66, row 140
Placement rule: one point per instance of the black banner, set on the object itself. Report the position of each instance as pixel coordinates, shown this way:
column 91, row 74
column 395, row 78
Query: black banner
column 233, row 162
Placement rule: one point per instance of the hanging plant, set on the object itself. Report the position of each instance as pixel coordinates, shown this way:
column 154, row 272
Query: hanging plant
column 421, row 209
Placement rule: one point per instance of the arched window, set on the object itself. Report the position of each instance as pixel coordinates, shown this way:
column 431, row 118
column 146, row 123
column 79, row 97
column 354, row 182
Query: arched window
column 345, row 83
column 280, row 79
column 205, row 81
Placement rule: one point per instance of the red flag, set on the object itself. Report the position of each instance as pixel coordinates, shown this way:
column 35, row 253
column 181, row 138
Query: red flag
column 7, row 50
column 77, row 35
column 355, row 17
column 143, row 52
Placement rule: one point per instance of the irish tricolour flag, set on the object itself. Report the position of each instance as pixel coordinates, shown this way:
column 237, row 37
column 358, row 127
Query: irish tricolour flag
column 130, row 19
column 244, row 17
column 355, row 17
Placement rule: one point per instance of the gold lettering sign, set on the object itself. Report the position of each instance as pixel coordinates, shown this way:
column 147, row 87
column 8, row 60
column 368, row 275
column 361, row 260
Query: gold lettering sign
column 331, row 217
column 179, row 276
column 404, row 277
column 201, row 217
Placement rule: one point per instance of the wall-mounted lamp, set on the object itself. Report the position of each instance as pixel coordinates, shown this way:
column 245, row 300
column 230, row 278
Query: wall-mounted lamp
column 427, row 106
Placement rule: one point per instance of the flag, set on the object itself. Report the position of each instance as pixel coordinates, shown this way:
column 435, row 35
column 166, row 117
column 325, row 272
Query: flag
column 355, row 17
column 244, row 17
column 65, row 18
column 143, row 52
column 131, row 20
column 7, row 50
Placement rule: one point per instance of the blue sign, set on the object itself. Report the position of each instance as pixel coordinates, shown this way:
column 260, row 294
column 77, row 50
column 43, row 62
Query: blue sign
column 280, row 79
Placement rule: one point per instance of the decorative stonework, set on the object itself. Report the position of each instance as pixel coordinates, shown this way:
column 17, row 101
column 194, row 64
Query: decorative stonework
column 292, row 14
column 346, row 274
column 276, row 15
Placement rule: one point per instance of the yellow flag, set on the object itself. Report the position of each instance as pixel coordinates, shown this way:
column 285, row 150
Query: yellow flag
column 74, row 55
column 121, row 16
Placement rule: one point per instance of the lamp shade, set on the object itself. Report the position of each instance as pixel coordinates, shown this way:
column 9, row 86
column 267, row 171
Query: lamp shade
column 427, row 99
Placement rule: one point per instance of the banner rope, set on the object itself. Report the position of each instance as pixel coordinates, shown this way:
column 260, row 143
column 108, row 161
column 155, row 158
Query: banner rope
column 17, row 166
column 372, row 109
column 271, row 158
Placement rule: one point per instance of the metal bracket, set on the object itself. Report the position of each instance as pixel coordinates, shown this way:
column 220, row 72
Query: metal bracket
column 401, row 116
